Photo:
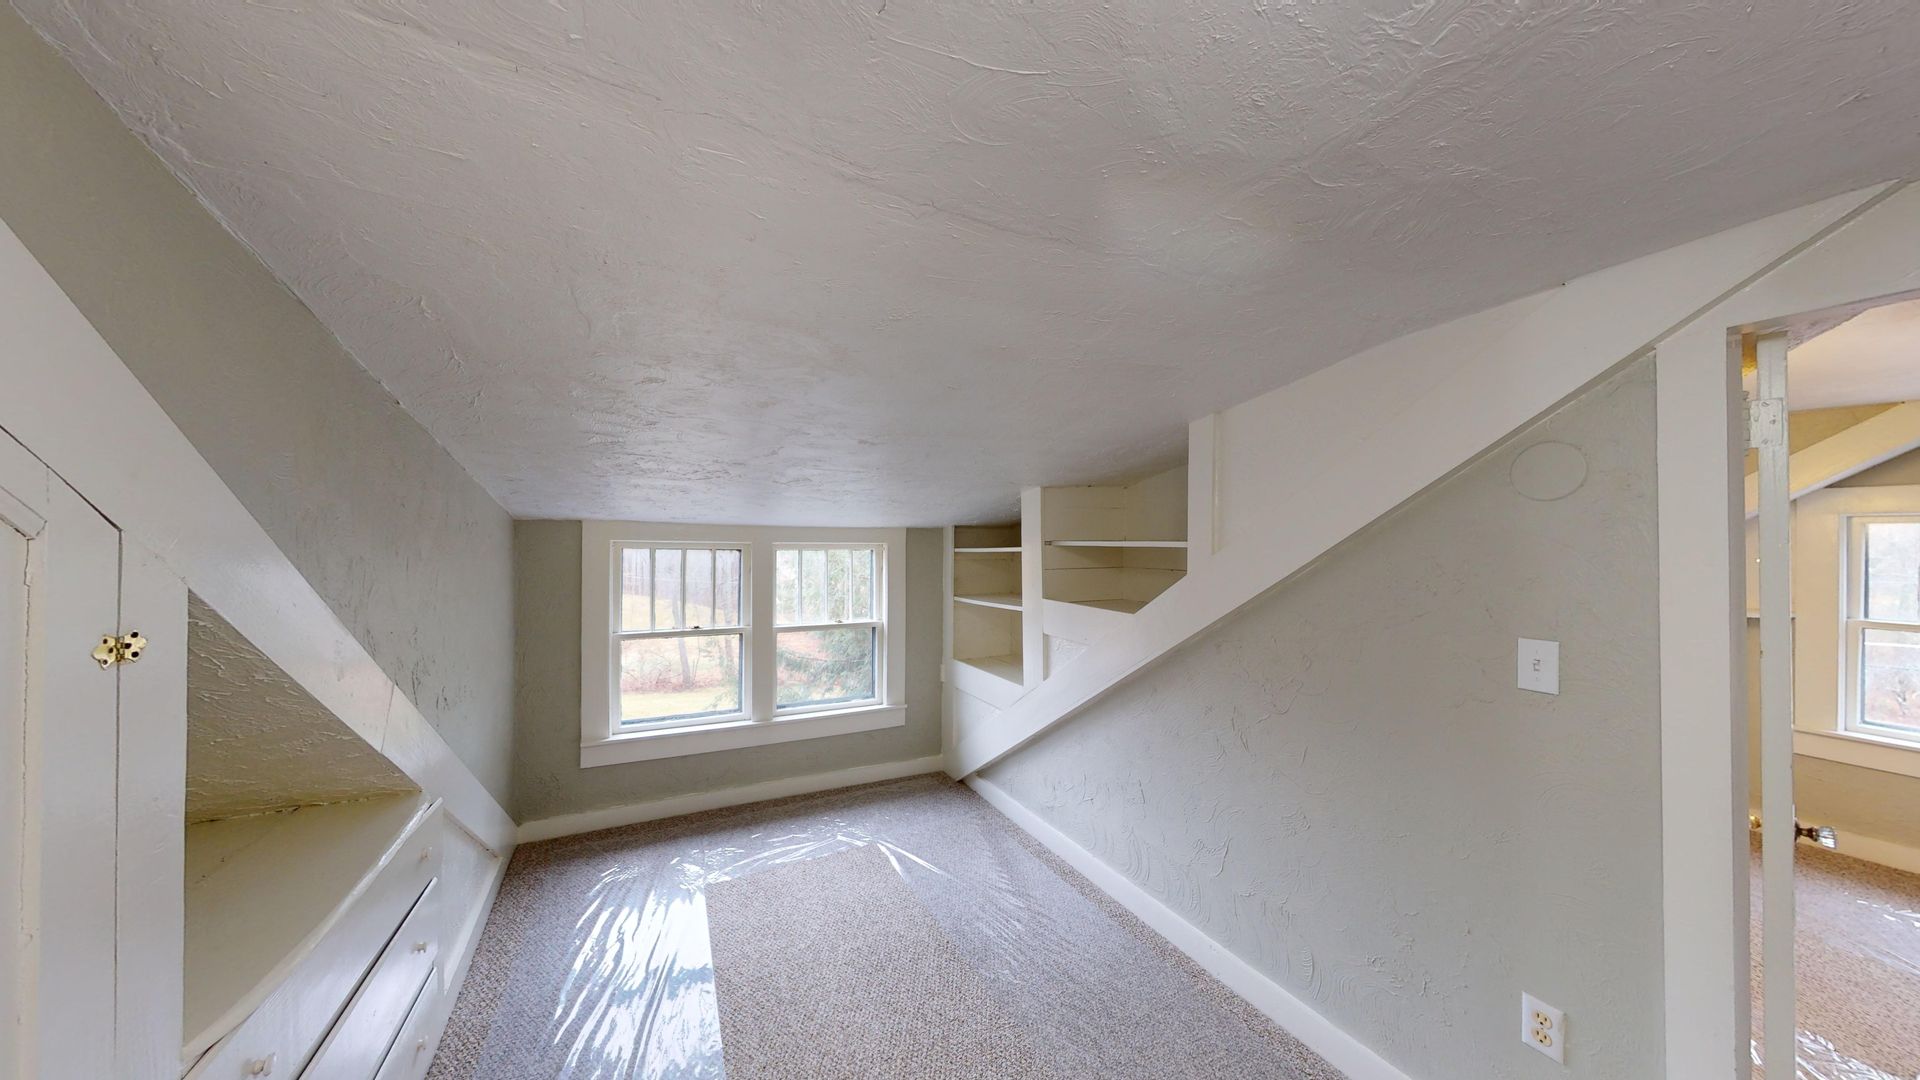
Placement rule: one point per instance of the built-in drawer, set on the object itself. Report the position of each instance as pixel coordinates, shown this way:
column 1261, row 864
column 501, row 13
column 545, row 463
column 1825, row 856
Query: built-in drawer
column 278, row 1038
column 359, row 1040
column 408, row 1059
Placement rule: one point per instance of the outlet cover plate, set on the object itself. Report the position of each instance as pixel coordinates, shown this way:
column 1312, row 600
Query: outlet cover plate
column 1543, row 1027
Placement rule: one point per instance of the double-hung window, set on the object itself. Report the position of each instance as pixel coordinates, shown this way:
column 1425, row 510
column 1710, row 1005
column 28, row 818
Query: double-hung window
column 681, row 636
column 697, row 639
column 1882, row 627
column 830, row 634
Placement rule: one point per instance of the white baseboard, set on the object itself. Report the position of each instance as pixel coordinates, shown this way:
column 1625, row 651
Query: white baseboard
column 612, row 817
column 1884, row 852
column 1340, row 1049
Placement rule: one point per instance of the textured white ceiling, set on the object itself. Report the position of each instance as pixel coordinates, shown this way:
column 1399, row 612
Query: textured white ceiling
column 886, row 261
column 257, row 741
column 1871, row 358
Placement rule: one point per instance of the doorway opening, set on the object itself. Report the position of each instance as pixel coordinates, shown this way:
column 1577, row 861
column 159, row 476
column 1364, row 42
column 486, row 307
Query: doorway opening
column 1833, row 690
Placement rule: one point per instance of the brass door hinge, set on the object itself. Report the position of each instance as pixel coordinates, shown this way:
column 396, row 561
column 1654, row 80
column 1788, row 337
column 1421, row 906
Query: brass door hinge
column 124, row 649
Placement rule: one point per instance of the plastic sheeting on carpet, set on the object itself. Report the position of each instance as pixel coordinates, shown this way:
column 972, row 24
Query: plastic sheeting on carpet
column 596, row 964
column 1857, row 969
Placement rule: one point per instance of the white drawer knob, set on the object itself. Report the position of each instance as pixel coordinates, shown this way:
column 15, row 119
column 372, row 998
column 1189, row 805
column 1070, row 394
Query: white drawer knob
column 426, row 853
column 419, row 946
column 261, row 1066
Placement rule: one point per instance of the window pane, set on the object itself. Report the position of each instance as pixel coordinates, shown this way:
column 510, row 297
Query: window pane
column 825, row 667
column 727, row 587
column 863, row 584
column 666, row 589
column 636, row 594
column 839, row 586
column 679, row 677
column 1893, row 571
column 699, row 570
column 1890, row 679
column 813, row 586
column 786, row 586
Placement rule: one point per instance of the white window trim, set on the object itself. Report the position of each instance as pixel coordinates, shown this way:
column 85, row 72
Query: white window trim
column 1823, row 579
column 601, row 743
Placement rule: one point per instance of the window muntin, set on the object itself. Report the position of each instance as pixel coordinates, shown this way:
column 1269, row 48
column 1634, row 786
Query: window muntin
column 1882, row 629
column 681, row 637
column 829, row 636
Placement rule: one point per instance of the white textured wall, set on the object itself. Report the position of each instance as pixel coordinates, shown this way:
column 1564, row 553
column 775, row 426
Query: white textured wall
column 1343, row 786
column 547, row 778
column 407, row 549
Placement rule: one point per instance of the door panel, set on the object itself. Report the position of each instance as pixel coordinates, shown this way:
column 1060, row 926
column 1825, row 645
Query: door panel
column 62, row 773
column 1779, row 1040
column 13, row 718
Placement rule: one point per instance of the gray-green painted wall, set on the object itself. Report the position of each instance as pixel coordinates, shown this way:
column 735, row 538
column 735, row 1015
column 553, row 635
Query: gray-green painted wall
column 1343, row 786
column 548, row 779
column 407, row 549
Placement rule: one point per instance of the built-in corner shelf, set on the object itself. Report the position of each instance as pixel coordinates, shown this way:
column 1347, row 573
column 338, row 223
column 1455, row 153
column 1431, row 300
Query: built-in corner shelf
column 987, row 550
column 1003, row 601
column 1007, row 667
column 1180, row 544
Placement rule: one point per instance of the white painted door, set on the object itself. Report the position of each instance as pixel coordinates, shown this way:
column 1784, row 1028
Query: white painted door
column 13, row 720
column 91, row 900
column 1779, row 1041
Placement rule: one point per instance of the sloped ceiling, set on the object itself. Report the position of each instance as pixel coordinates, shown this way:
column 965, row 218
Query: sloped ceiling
column 1872, row 357
column 885, row 261
column 257, row 741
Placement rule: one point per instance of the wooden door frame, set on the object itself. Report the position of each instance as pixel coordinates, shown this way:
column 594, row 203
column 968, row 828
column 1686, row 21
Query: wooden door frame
column 1865, row 259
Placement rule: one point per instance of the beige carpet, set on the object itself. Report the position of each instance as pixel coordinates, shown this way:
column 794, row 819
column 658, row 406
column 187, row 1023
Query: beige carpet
column 975, row 954
column 1856, row 965
column 831, row 969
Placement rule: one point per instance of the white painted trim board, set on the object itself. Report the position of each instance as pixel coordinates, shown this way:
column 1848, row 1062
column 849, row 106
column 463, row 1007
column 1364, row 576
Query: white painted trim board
column 1297, row 1018
column 613, row 817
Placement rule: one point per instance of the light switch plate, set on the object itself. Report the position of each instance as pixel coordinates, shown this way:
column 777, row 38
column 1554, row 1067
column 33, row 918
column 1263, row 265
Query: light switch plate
column 1540, row 666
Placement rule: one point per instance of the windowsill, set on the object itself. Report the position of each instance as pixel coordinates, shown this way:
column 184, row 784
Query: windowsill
column 737, row 734
column 1896, row 756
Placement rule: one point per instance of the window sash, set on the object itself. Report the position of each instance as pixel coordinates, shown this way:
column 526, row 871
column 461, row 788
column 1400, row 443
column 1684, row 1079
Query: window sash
column 742, row 598
column 879, row 628
column 876, row 588
column 616, row 714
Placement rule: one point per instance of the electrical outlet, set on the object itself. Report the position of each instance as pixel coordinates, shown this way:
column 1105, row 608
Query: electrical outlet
column 1543, row 1027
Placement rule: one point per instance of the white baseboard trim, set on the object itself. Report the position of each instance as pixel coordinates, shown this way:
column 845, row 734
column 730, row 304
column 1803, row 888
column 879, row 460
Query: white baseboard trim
column 1883, row 852
column 612, row 817
column 1340, row 1049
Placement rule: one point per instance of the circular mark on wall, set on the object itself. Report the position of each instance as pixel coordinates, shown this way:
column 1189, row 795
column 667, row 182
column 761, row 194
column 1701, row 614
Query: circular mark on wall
column 1550, row 470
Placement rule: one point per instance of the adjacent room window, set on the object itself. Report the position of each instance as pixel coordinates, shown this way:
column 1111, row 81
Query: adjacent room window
column 1882, row 628
column 696, row 639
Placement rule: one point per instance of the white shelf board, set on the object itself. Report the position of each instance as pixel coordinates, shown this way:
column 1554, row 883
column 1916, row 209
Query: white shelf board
column 1124, row 607
column 1008, row 668
column 986, row 551
column 261, row 890
column 1119, row 543
column 1003, row 601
